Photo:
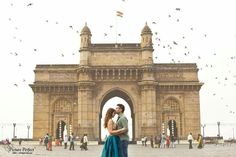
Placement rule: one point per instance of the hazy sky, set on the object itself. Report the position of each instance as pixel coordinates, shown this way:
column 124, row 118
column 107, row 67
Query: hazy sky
column 184, row 31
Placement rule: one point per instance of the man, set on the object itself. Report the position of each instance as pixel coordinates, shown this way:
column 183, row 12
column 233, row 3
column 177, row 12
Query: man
column 72, row 139
column 190, row 140
column 46, row 141
column 65, row 141
column 84, row 141
column 122, row 122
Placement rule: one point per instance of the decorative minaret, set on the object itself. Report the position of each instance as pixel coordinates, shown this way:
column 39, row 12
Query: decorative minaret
column 147, row 85
column 146, row 45
column 85, row 43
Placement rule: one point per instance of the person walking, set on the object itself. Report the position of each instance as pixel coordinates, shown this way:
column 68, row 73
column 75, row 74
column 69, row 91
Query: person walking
column 152, row 141
column 65, row 141
column 163, row 140
column 167, row 141
column 84, row 142
column 111, row 147
column 72, row 140
column 122, row 122
column 145, row 141
column 190, row 140
column 45, row 140
column 50, row 142
column 172, row 141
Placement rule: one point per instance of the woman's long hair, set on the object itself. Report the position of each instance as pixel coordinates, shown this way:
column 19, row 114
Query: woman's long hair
column 108, row 116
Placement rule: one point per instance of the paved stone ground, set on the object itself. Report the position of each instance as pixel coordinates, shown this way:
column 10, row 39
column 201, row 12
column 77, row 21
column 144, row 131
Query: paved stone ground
column 134, row 151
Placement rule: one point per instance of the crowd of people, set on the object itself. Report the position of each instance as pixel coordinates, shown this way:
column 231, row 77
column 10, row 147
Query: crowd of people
column 47, row 141
column 168, row 141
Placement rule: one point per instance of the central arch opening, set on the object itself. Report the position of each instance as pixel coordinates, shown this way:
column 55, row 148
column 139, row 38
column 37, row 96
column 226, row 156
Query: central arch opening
column 110, row 101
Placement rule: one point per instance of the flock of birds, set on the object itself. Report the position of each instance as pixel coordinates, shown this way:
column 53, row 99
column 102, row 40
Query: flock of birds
column 160, row 46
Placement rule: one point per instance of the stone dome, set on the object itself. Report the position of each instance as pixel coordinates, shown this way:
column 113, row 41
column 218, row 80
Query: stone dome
column 146, row 30
column 86, row 30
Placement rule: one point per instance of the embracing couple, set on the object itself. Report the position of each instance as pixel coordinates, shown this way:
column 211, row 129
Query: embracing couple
column 116, row 144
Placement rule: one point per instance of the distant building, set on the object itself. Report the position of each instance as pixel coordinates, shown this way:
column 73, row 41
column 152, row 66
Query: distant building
column 160, row 96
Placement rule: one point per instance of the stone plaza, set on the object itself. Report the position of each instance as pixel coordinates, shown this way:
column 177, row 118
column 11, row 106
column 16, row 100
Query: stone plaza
column 134, row 150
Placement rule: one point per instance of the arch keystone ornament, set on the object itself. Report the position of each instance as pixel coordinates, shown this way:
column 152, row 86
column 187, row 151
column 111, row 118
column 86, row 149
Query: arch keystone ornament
column 162, row 97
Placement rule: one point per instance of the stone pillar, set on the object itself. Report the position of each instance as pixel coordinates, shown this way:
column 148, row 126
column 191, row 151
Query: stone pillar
column 86, row 112
column 148, row 108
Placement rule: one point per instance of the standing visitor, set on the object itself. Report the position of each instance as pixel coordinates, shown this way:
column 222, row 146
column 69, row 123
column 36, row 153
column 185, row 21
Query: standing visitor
column 190, row 140
column 72, row 140
column 172, row 141
column 167, row 141
column 200, row 141
column 45, row 140
column 50, row 142
column 152, row 142
column 145, row 141
column 84, row 142
column 163, row 140
column 65, row 141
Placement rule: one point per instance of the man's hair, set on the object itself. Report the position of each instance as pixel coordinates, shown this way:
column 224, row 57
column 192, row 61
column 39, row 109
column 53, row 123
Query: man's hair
column 122, row 107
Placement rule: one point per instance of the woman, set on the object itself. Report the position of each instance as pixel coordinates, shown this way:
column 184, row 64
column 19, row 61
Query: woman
column 112, row 145
column 200, row 141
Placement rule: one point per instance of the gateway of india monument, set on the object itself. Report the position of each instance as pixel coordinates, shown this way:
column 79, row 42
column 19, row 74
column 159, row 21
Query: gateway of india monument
column 161, row 97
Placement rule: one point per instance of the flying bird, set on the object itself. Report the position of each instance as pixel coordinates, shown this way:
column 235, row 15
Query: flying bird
column 30, row 4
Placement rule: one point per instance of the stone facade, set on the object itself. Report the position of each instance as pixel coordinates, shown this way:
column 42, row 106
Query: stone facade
column 160, row 95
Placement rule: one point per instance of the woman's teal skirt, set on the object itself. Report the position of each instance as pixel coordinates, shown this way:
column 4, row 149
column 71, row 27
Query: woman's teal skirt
column 111, row 147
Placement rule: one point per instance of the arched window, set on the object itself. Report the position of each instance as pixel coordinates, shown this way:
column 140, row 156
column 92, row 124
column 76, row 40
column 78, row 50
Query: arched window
column 62, row 105
column 171, row 105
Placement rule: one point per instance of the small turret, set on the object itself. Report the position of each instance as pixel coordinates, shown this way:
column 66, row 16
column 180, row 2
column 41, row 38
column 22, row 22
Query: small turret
column 146, row 41
column 85, row 37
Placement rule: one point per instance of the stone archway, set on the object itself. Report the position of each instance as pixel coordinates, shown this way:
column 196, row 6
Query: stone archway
column 171, row 116
column 60, row 129
column 117, row 93
column 173, row 128
column 62, row 115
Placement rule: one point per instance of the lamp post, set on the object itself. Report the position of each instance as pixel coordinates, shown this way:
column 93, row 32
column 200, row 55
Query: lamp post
column 218, row 123
column 2, row 131
column 203, row 130
column 28, row 127
column 233, row 133
column 14, row 127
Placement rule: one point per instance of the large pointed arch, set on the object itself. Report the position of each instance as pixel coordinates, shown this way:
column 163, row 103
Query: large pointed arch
column 171, row 112
column 117, row 92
